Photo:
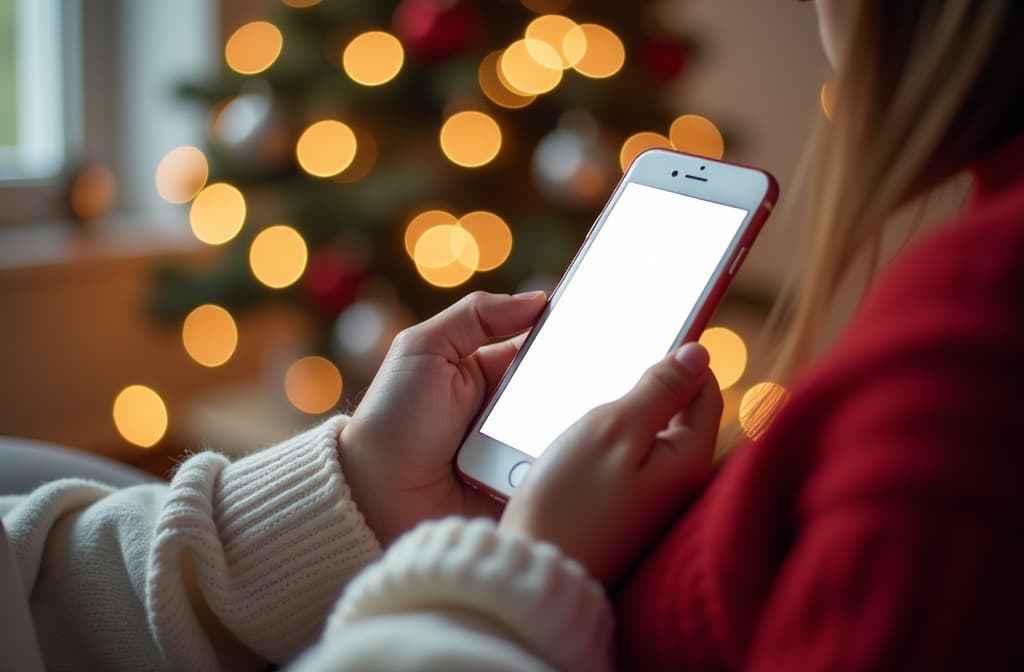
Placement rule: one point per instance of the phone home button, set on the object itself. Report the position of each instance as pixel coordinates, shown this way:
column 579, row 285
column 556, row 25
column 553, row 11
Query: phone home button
column 517, row 473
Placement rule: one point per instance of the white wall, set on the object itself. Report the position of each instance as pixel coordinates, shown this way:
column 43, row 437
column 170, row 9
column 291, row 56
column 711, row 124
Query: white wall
column 760, row 74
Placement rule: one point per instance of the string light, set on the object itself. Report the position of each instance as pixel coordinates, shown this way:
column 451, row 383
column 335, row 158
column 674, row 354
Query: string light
column 278, row 256
column 446, row 256
column 759, row 405
column 326, row 148
column 693, row 134
column 93, row 192
column 640, row 142
column 470, row 138
column 531, row 67
column 828, row 98
column 313, row 385
column 373, row 58
column 217, row 213
column 594, row 50
column 728, row 355
column 253, row 48
column 495, row 88
column 209, row 335
column 550, row 29
column 422, row 223
column 140, row 416
column 492, row 235
column 181, row 174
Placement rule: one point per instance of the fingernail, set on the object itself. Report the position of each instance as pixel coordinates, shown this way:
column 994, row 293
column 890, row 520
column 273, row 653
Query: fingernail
column 693, row 357
column 529, row 296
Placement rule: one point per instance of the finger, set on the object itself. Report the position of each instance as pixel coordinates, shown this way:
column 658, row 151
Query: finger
column 665, row 389
column 494, row 359
column 678, row 458
column 704, row 414
column 460, row 329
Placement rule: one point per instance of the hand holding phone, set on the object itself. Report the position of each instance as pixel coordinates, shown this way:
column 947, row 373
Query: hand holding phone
column 647, row 278
column 610, row 482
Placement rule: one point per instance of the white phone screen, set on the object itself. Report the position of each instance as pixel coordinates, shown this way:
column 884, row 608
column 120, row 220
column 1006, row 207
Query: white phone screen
column 619, row 313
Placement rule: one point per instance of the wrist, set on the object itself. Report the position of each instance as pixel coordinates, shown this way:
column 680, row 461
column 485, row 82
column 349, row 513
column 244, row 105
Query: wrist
column 363, row 483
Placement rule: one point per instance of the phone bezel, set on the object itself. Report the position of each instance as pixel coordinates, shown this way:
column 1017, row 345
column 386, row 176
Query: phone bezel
column 487, row 463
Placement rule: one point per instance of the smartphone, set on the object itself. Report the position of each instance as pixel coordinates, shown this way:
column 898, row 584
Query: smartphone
column 649, row 274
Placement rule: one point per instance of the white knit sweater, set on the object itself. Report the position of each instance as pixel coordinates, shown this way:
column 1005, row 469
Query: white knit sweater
column 236, row 564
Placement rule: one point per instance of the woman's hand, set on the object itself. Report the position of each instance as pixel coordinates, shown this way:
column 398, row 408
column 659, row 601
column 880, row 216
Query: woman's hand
column 611, row 482
column 398, row 448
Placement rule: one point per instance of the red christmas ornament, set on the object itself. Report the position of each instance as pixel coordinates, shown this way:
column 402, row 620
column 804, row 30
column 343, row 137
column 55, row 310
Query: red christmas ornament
column 332, row 279
column 663, row 57
column 436, row 29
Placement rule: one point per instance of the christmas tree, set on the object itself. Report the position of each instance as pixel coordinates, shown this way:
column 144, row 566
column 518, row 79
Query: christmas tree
column 372, row 161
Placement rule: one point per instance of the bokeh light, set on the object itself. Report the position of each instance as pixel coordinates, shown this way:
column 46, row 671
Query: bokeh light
column 495, row 88
column 253, row 48
column 93, row 192
column 550, row 29
column 326, row 148
column 492, row 235
column 728, row 355
column 209, row 335
column 422, row 223
column 278, row 256
column 693, row 134
column 313, row 385
column 181, row 174
column 531, row 69
column 217, row 213
column 446, row 256
column 373, row 58
column 470, row 138
column 140, row 416
column 640, row 142
column 828, row 98
column 759, row 405
column 594, row 50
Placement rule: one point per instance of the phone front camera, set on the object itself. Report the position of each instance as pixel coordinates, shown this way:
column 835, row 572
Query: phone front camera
column 675, row 173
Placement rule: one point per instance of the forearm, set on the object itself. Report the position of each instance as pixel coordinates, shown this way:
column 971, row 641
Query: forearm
column 262, row 546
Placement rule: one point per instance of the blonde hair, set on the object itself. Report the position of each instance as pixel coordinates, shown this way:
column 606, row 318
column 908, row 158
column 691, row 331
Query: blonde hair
column 924, row 88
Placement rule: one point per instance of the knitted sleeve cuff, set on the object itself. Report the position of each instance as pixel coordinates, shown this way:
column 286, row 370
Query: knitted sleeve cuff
column 540, row 597
column 273, row 537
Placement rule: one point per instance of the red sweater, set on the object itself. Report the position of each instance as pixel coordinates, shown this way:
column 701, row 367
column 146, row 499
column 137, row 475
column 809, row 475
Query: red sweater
column 879, row 523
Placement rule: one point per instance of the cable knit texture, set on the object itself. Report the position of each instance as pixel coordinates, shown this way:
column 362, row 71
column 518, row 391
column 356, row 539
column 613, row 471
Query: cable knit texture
column 491, row 586
column 271, row 539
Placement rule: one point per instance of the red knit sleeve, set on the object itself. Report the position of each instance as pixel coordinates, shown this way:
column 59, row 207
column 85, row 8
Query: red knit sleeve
column 908, row 543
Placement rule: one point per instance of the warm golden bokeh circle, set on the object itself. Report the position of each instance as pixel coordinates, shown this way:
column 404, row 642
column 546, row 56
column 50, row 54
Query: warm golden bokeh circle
column 594, row 51
column 422, row 223
column 93, row 192
column 140, row 416
column 253, row 47
column 531, row 67
column 470, row 138
column 326, row 148
column 181, row 174
column 550, row 29
column 364, row 160
column 493, row 85
column 759, row 405
column 217, row 213
column 492, row 235
column 728, row 355
column 373, row 58
column 446, row 256
column 278, row 256
column 313, row 385
column 209, row 335
column 693, row 134
column 640, row 142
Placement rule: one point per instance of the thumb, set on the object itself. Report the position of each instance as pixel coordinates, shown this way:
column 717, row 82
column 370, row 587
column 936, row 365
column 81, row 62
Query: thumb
column 459, row 330
column 665, row 389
